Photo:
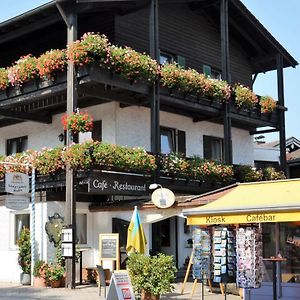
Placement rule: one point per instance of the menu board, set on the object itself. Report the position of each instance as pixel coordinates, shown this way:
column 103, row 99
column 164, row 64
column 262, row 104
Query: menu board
column 109, row 246
column 201, row 254
column 224, row 253
column 249, row 257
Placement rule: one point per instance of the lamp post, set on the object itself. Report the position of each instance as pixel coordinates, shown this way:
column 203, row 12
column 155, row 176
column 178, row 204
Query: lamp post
column 32, row 231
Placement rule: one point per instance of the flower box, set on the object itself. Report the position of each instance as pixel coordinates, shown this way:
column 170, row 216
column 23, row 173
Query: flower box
column 29, row 86
column 45, row 82
column 14, row 91
column 3, row 94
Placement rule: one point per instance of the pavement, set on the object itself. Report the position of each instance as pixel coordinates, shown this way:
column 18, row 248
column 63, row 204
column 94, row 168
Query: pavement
column 13, row 291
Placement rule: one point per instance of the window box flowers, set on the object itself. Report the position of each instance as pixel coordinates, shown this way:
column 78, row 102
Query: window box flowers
column 51, row 62
column 3, row 79
column 267, row 104
column 77, row 122
column 244, row 97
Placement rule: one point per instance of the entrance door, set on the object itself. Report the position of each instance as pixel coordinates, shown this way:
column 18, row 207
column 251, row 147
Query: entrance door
column 121, row 226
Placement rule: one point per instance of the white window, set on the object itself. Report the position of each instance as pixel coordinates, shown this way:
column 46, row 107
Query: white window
column 81, row 228
column 167, row 142
column 213, row 148
column 20, row 221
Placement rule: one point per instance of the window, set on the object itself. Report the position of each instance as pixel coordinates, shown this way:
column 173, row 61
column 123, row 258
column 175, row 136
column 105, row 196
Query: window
column 165, row 58
column 21, row 221
column 208, row 71
column 213, row 148
column 172, row 140
column 95, row 134
column 16, row 145
column 81, row 228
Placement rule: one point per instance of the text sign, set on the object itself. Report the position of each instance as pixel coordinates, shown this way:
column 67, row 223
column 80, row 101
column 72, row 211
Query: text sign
column 16, row 183
column 244, row 218
column 120, row 287
column 16, row 202
column 118, row 184
column 109, row 246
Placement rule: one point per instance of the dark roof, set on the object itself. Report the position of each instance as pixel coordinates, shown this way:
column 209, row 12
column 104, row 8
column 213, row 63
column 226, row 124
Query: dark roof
column 252, row 36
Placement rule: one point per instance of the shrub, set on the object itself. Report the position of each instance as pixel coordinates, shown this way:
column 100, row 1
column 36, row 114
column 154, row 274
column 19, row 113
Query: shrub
column 153, row 274
column 24, row 256
column 247, row 173
column 270, row 173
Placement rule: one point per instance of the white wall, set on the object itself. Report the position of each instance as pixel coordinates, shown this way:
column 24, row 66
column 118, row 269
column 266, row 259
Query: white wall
column 130, row 126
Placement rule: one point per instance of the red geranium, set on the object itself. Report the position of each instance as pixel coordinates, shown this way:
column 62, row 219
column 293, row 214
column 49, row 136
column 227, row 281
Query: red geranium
column 77, row 122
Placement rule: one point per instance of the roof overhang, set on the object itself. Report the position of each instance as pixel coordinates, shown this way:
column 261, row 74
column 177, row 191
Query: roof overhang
column 257, row 42
column 271, row 201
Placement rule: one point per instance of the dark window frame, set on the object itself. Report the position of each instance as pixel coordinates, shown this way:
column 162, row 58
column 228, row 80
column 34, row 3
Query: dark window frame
column 178, row 138
column 207, row 147
column 20, row 145
column 214, row 73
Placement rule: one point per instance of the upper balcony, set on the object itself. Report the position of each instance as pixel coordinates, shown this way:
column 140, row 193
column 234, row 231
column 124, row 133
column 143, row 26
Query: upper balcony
column 35, row 89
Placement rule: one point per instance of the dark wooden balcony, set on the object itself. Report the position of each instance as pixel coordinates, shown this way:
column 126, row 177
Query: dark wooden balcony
column 39, row 100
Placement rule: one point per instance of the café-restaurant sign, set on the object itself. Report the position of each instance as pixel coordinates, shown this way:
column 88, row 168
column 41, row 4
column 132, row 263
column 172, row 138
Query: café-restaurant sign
column 244, row 218
column 118, row 184
column 16, row 183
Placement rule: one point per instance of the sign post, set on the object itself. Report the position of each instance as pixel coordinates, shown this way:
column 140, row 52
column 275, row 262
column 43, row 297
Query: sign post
column 109, row 248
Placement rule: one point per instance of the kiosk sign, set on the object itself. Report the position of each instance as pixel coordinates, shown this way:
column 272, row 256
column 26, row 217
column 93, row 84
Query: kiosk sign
column 16, row 183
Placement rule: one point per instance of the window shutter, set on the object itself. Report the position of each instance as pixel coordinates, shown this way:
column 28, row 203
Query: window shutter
column 181, row 61
column 207, row 147
column 207, row 70
column 181, row 142
column 97, row 131
column 8, row 147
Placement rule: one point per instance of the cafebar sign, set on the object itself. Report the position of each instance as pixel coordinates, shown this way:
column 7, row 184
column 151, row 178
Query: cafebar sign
column 16, row 183
column 118, row 184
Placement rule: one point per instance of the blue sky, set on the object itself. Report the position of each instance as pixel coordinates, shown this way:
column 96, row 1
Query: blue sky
column 281, row 18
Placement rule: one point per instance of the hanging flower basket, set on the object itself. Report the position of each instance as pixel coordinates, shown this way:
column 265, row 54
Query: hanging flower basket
column 77, row 122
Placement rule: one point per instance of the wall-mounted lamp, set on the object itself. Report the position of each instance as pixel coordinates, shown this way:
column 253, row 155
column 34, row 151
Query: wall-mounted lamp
column 154, row 186
column 61, row 137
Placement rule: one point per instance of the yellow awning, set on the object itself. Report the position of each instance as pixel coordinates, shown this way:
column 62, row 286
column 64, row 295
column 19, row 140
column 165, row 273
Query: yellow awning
column 268, row 201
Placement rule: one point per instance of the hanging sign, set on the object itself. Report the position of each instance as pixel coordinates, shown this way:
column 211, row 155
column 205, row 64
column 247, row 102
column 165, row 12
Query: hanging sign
column 16, row 183
column 120, row 287
column 163, row 198
column 17, row 202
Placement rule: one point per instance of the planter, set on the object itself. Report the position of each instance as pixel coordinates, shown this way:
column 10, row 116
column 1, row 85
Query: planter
column 14, row 91
column 45, row 82
column 3, row 94
column 39, row 282
column 29, row 86
column 25, row 279
column 60, row 77
column 55, row 283
column 148, row 296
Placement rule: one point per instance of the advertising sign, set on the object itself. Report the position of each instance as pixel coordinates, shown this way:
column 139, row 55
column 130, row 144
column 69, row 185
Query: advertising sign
column 120, row 287
column 118, row 184
column 109, row 246
column 17, row 202
column 16, row 183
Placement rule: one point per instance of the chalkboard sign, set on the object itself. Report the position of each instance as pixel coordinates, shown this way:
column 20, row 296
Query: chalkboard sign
column 109, row 247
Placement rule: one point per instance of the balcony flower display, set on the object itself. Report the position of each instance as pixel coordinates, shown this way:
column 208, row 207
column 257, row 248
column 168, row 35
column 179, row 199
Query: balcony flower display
column 245, row 173
column 271, row 174
column 244, row 96
column 3, row 79
column 77, row 122
column 91, row 47
column 123, row 158
column 190, row 81
column 267, row 104
column 51, row 62
column 23, row 70
column 175, row 165
column 132, row 64
column 49, row 161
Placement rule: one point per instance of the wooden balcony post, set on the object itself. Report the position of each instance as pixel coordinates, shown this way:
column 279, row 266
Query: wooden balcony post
column 226, row 76
column 70, row 18
column 280, row 91
column 155, row 99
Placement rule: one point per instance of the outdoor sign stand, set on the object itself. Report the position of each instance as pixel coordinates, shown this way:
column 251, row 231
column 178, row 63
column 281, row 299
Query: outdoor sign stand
column 109, row 248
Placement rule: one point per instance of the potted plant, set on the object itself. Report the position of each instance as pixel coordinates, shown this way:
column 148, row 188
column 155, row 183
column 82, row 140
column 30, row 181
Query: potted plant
column 39, row 273
column 151, row 276
column 54, row 274
column 24, row 256
column 77, row 122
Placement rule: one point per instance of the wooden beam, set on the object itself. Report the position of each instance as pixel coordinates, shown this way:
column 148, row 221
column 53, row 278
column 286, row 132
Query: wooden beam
column 40, row 117
column 252, row 132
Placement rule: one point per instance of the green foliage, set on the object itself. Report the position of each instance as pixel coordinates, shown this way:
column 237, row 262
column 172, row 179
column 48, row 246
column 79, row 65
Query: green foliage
column 244, row 96
column 24, row 255
column 247, row 173
column 271, row 174
column 153, row 274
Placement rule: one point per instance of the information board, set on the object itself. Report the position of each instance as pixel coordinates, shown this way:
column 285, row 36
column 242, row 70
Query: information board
column 120, row 287
column 109, row 247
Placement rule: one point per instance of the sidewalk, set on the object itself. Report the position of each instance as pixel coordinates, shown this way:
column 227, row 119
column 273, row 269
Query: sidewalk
column 10, row 291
